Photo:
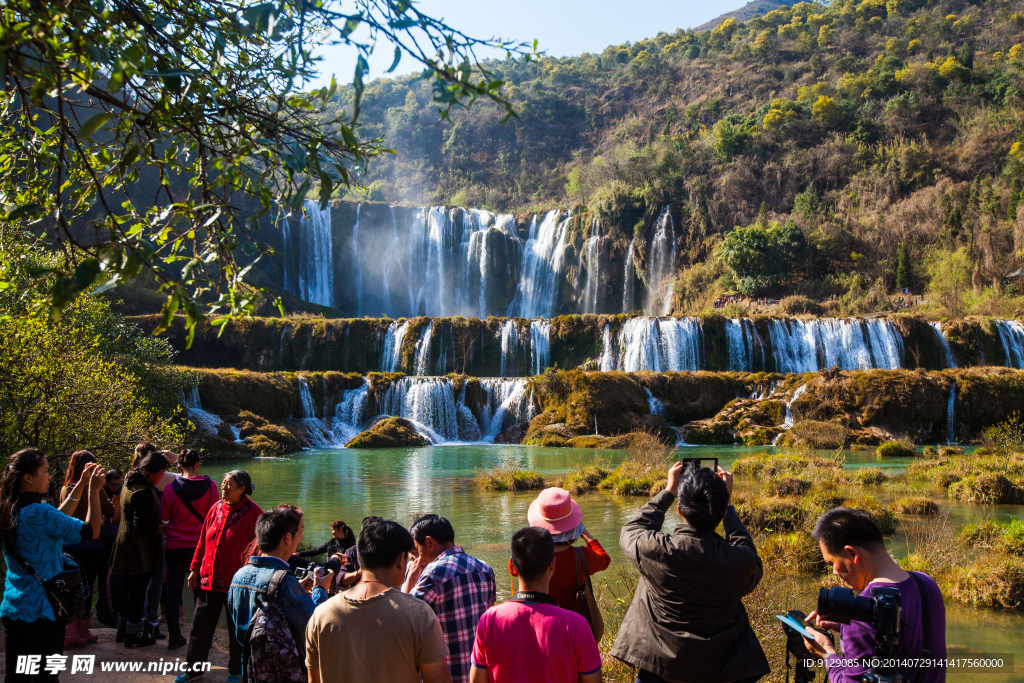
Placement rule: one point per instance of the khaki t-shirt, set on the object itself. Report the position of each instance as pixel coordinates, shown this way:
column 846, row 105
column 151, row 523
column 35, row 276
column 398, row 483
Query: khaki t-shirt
column 384, row 638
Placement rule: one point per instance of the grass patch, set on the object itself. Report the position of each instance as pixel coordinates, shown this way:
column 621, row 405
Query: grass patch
column 508, row 476
column 915, row 505
column 585, row 479
column 870, row 476
column 785, row 487
column 895, row 449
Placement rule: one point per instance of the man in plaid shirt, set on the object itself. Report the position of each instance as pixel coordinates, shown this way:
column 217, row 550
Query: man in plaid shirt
column 456, row 585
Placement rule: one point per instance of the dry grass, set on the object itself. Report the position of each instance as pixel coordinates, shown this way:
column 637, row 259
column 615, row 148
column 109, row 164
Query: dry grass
column 915, row 505
column 508, row 476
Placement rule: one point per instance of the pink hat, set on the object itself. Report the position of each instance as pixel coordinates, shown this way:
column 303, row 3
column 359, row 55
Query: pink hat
column 555, row 511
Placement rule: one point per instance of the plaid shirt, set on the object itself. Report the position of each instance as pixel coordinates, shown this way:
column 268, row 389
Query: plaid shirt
column 459, row 588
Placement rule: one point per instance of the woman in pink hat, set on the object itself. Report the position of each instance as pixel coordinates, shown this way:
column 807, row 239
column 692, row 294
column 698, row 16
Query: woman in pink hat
column 557, row 512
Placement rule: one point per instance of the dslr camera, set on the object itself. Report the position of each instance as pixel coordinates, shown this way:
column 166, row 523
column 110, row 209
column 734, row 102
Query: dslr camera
column 883, row 610
column 312, row 570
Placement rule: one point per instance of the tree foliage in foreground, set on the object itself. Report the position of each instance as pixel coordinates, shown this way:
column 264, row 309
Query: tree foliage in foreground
column 133, row 133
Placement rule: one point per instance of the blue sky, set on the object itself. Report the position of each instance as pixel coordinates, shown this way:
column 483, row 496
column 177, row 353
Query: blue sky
column 561, row 27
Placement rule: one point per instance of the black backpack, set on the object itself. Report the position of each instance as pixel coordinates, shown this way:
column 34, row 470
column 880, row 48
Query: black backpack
column 271, row 653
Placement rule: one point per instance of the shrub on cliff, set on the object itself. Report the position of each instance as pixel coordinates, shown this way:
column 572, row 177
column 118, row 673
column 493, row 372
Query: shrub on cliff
column 391, row 432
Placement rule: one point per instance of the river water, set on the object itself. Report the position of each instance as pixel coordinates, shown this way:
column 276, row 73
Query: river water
column 400, row 484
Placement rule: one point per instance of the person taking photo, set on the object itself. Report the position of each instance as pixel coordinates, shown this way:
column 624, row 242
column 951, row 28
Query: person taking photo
column 852, row 543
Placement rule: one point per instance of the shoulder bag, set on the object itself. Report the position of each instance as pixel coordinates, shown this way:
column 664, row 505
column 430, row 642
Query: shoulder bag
column 586, row 604
column 66, row 592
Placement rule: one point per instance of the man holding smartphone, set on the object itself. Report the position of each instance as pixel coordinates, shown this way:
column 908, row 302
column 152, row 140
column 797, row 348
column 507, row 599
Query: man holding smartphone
column 687, row 621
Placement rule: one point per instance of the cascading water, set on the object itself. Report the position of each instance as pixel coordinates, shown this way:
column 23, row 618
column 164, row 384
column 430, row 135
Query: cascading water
column 428, row 402
column 746, row 351
column 206, row 421
column 661, row 267
column 947, row 351
column 316, row 263
column 540, row 345
column 349, row 414
column 951, row 415
column 607, row 351
column 510, row 350
column 628, row 297
column 393, row 338
column 505, row 398
column 809, row 345
column 358, row 266
column 661, row 344
column 1011, row 334
column 654, row 406
column 543, row 256
column 787, row 423
column 318, row 430
column 423, row 350
column 592, row 261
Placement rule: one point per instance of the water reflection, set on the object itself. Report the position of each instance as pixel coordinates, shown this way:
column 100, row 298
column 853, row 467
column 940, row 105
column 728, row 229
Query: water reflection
column 400, row 484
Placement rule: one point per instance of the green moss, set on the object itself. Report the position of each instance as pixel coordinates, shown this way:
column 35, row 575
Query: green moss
column 391, row 432
column 709, row 432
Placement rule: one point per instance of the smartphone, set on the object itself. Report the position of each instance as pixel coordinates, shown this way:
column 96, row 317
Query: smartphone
column 698, row 462
column 799, row 625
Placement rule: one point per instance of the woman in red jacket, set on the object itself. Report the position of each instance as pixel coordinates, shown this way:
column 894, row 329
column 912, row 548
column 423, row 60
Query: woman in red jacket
column 557, row 512
column 184, row 505
column 227, row 534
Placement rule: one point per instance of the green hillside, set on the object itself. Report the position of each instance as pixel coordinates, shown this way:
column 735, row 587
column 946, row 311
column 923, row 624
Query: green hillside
column 863, row 126
column 754, row 8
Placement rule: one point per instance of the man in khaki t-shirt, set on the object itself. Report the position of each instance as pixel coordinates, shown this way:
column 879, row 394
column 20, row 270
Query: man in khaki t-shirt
column 373, row 632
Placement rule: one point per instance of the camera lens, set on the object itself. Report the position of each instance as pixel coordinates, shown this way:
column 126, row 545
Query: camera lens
column 844, row 606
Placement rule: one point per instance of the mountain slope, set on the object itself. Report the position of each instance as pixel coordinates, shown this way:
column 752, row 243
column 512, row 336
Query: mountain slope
column 754, row 8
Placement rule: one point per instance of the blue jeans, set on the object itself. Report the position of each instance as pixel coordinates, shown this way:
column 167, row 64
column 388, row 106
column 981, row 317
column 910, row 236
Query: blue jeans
column 156, row 585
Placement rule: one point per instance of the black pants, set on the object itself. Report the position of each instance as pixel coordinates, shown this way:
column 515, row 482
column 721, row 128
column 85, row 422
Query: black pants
column 178, row 562
column 133, row 600
column 204, row 623
column 90, row 562
column 106, row 597
column 40, row 637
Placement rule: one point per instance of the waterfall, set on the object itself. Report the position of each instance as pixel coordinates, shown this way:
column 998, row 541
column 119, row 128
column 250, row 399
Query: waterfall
column 592, row 255
column 661, row 344
column 428, row 402
column 505, row 398
column 442, row 355
column 349, row 414
column 628, row 298
column 206, row 421
column 316, row 264
column 543, row 255
column 390, row 255
column 607, row 353
column 423, row 350
column 540, row 345
column 947, row 351
column 661, row 267
column 951, row 414
column 358, row 269
column 392, row 357
column 654, row 406
column 509, row 347
column 1011, row 334
column 808, row 345
column 787, row 423
column 318, row 431
column 746, row 351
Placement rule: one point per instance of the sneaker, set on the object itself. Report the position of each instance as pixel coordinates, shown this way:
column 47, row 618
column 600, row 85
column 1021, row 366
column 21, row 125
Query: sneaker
column 186, row 677
column 234, row 678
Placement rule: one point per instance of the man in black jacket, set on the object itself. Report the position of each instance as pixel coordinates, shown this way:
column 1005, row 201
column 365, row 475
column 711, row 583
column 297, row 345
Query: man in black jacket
column 687, row 622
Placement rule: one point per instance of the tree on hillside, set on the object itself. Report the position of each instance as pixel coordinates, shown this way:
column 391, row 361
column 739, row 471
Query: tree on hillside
column 761, row 256
column 950, row 280
column 134, row 132
column 903, row 276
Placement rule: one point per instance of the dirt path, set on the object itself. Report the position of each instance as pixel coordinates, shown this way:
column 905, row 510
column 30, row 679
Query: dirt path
column 107, row 651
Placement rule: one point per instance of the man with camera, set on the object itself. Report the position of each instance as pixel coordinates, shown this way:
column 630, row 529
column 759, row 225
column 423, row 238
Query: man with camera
column 687, row 622
column 278, row 534
column 852, row 543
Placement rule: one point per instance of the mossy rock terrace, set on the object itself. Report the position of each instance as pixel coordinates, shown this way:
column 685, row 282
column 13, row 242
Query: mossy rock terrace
column 391, row 432
column 585, row 409
column 475, row 347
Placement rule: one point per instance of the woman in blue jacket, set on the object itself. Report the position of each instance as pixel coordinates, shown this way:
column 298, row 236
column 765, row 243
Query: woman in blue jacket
column 34, row 531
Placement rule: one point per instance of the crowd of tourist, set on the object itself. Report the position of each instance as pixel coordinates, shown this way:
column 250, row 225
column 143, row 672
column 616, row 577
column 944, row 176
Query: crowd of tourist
column 407, row 605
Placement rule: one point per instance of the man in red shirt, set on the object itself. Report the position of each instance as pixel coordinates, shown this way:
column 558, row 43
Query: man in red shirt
column 531, row 638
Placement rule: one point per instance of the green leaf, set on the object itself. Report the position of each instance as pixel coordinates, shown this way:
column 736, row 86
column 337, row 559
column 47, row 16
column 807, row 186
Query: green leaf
column 93, row 124
column 398, row 58
column 86, row 273
column 24, row 210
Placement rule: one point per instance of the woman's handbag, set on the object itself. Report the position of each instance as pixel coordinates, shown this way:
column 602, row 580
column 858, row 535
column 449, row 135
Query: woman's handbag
column 66, row 592
column 586, row 604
